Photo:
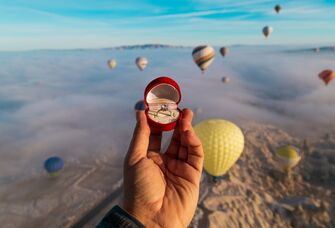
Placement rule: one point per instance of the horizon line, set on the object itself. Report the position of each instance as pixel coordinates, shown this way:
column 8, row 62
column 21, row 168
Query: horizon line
column 165, row 46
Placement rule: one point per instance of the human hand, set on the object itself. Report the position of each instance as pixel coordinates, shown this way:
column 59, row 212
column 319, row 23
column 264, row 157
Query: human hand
column 161, row 190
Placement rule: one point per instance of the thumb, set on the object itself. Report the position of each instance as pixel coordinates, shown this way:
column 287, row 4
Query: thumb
column 139, row 144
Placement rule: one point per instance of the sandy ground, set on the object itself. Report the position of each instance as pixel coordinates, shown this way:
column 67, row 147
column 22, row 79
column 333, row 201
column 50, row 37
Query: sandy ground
column 254, row 193
column 37, row 202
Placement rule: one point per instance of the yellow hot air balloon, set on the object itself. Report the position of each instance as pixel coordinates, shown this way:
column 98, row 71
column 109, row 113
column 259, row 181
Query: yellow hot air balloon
column 288, row 157
column 223, row 143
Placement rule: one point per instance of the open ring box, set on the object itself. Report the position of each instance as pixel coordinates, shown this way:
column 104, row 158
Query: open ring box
column 162, row 96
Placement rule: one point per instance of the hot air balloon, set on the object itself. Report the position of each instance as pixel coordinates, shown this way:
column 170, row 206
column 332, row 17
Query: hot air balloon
column 267, row 30
column 203, row 56
column 141, row 63
column 223, row 143
column 277, row 8
column 139, row 106
column 224, row 51
column 327, row 76
column 225, row 79
column 288, row 157
column 111, row 63
column 54, row 165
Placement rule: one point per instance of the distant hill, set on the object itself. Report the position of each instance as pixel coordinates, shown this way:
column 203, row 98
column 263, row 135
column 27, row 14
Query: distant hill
column 144, row 46
column 316, row 49
column 324, row 49
column 123, row 47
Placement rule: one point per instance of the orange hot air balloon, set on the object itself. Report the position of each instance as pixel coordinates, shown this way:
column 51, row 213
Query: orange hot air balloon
column 327, row 76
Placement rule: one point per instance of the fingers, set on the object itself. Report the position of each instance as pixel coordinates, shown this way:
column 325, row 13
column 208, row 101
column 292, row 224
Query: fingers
column 191, row 149
column 188, row 115
column 155, row 141
column 174, row 146
column 183, row 170
column 195, row 155
column 139, row 145
column 172, row 150
column 185, row 125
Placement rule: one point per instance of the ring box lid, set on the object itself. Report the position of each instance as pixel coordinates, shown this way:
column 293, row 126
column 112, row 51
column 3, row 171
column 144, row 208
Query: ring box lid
column 162, row 95
column 162, row 88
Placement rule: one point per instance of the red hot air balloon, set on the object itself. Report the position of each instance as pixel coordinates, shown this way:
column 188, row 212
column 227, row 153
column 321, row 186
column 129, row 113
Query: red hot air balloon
column 327, row 76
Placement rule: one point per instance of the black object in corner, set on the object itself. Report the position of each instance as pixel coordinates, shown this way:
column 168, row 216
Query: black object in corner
column 118, row 218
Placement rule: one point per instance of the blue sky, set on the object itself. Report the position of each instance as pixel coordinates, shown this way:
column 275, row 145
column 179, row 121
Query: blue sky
column 52, row 24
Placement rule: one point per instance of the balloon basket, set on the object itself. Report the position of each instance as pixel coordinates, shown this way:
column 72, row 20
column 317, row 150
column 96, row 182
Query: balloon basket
column 54, row 175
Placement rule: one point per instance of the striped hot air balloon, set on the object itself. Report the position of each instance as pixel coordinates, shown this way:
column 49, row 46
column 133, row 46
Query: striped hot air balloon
column 327, row 76
column 203, row 56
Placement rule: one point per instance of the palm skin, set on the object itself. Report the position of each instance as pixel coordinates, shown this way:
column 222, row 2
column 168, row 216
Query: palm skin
column 161, row 190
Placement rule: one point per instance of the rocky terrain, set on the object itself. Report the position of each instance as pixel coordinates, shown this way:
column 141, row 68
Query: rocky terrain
column 254, row 193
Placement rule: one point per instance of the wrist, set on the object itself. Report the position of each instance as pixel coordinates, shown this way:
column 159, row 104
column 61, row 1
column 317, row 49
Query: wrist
column 145, row 219
column 118, row 217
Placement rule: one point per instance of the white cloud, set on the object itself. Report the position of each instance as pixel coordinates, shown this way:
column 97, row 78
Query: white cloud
column 79, row 109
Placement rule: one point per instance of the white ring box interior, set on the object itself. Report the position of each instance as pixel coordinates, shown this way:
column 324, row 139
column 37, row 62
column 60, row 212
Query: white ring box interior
column 162, row 102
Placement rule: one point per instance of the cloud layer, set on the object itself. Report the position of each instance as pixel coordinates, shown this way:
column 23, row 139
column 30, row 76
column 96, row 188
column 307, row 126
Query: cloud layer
column 69, row 103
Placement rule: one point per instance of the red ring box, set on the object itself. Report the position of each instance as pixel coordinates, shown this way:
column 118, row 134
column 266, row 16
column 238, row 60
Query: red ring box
column 164, row 93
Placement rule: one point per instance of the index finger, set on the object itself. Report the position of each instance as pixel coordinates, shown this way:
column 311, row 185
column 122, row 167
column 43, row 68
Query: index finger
column 155, row 141
column 139, row 144
column 175, row 143
column 195, row 153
